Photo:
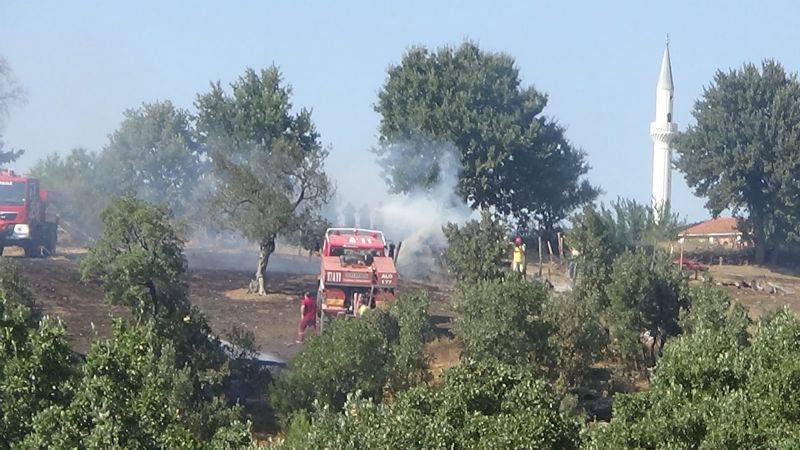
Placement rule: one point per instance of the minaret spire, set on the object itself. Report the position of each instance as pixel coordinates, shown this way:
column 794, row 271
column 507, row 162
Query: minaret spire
column 662, row 130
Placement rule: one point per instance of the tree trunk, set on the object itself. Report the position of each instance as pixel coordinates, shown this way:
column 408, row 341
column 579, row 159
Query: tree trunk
column 759, row 238
column 653, row 350
column 266, row 248
column 761, row 252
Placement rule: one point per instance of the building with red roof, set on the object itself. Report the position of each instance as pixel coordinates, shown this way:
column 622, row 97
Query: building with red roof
column 719, row 231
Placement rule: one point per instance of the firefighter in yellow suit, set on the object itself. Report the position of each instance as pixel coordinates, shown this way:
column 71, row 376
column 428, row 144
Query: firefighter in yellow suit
column 518, row 262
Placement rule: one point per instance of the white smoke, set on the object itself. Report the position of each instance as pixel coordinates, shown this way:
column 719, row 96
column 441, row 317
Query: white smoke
column 416, row 219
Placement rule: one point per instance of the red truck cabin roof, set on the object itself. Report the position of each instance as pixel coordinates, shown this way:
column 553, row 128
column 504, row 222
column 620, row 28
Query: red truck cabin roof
column 354, row 238
column 11, row 176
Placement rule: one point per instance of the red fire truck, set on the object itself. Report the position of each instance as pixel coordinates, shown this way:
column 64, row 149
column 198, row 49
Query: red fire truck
column 356, row 269
column 24, row 219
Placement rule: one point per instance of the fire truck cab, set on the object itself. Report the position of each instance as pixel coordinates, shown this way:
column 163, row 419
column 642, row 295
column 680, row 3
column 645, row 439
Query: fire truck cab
column 24, row 219
column 355, row 271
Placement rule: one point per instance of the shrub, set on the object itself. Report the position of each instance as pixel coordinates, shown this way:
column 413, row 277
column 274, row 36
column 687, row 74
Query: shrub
column 35, row 368
column 14, row 289
column 350, row 356
column 130, row 395
column 711, row 391
column 384, row 349
column 578, row 336
column 479, row 405
column 139, row 262
column 476, row 250
column 503, row 320
column 644, row 295
column 712, row 308
column 410, row 361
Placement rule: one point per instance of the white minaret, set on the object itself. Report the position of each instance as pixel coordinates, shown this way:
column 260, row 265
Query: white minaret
column 662, row 130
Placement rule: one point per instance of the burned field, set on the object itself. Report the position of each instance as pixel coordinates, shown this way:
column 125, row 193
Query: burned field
column 217, row 285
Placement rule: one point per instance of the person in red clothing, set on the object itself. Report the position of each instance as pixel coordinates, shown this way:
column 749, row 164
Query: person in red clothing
column 308, row 316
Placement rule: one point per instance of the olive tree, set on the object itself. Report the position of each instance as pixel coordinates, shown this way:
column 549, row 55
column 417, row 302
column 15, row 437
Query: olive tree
column 81, row 194
column 268, row 163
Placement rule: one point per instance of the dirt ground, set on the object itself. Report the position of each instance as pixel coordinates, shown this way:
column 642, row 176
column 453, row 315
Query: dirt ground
column 218, row 282
column 740, row 282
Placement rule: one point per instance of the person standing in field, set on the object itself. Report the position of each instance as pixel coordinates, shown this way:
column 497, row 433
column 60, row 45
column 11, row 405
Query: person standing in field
column 518, row 262
column 308, row 316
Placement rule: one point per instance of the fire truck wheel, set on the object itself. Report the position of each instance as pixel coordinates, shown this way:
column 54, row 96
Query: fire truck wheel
column 50, row 246
column 32, row 250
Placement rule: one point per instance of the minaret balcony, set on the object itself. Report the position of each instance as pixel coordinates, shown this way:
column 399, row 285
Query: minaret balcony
column 663, row 131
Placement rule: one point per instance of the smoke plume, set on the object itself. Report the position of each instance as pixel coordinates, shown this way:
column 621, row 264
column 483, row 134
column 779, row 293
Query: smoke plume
column 416, row 218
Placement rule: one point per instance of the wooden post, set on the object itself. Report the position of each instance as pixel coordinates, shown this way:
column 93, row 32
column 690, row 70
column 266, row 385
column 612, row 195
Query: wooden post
column 550, row 250
column 540, row 256
column 560, row 251
column 680, row 260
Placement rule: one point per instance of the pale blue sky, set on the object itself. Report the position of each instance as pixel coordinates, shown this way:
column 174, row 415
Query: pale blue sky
column 83, row 63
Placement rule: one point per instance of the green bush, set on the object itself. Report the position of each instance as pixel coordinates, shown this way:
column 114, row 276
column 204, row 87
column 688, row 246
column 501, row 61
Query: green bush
column 479, row 405
column 578, row 337
column 414, row 330
column 504, row 320
column 645, row 294
column 350, row 356
column 476, row 250
column 139, row 261
column 14, row 289
column 711, row 391
column 600, row 235
column 35, row 368
column 130, row 395
column 712, row 308
column 383, row 350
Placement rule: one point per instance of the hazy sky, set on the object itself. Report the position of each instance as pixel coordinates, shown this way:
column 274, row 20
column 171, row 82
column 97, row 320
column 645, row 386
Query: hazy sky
column 83, row 63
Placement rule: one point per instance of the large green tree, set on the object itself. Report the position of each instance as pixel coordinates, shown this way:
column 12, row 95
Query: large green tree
column 268, row 162
column 468, row 105
column 154, row 155
column 743, row 152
